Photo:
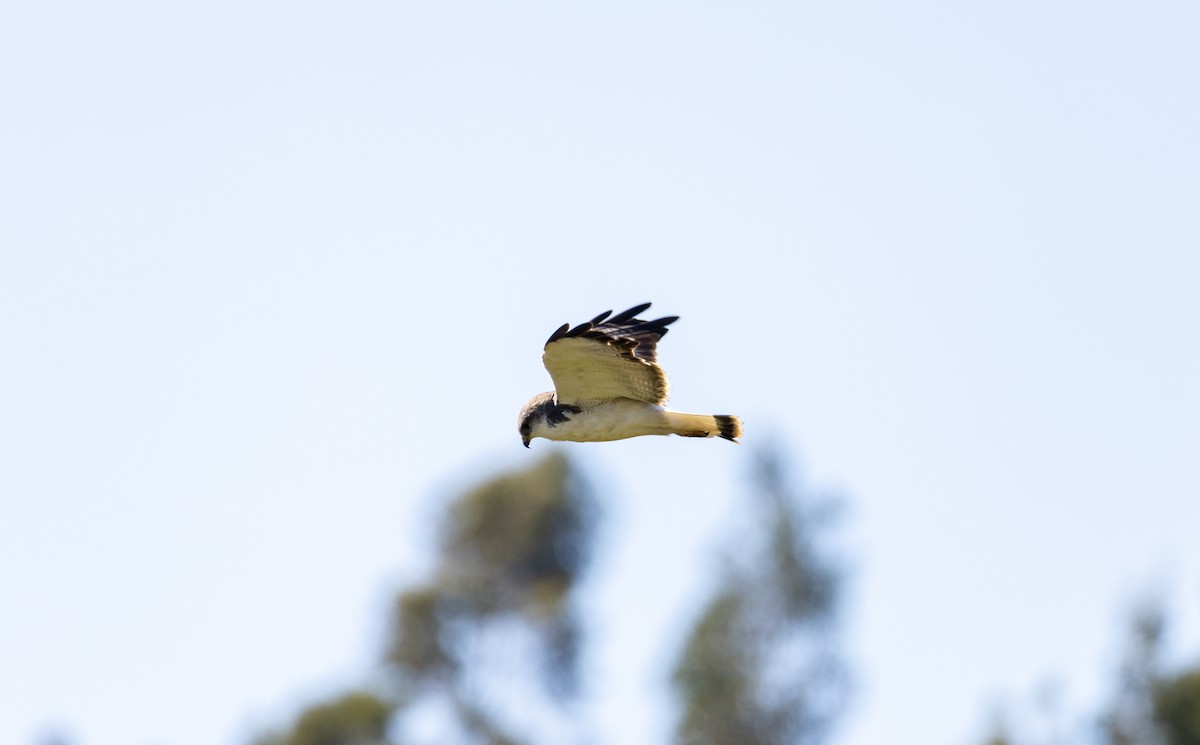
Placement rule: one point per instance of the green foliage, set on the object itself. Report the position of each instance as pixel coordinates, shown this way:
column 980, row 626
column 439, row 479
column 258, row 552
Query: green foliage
column 1130, row 718
column 716, row 673
column 423, row 614
column 758, row 668
column 518, row 542
column 1148, row 706
column 1177, row 708
column 357, row 718
column 511, row 551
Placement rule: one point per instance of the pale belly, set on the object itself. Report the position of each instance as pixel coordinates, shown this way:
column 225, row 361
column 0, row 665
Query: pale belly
column 616, row 420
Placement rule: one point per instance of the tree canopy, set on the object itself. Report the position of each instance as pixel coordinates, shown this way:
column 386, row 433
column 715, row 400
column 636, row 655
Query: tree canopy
column 760, row 666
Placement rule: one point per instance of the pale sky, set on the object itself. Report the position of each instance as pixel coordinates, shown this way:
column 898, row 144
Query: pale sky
column 274, row 280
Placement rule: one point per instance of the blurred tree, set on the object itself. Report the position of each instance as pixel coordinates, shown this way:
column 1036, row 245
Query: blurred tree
column 1152, row 707
column 1148, row 706
column 1036, row 721
column 357, row 718
column 999, row 733
column 511, row 552
column 1177, row 707
column 758, row 667
column 999, row 737
column 459, row 645
column 1130, row 718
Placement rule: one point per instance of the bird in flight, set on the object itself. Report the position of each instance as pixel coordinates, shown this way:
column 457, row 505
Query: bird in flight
column 608, row 386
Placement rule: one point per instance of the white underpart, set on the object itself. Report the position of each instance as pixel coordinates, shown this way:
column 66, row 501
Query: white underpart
column 622, row 418
column 610, row 420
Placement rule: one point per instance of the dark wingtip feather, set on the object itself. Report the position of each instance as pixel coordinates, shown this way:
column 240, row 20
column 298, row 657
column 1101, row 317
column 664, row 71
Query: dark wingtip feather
column 600, row 318
column 657, row 326
column 582, row 328
column 559, row 333
column 629, row 314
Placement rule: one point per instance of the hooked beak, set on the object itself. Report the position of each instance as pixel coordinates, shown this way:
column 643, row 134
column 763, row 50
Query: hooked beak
column 525, row 440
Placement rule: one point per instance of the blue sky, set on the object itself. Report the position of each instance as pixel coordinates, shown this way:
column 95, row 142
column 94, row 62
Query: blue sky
column 274, row 279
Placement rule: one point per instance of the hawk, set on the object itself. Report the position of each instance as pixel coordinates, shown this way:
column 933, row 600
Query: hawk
column 608, row 386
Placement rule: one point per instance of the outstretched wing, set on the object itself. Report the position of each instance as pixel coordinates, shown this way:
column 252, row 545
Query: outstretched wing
column 608, row 358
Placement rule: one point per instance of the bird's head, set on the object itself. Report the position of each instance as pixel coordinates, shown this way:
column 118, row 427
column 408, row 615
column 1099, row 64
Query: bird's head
column 526, row 432
column 533, row 420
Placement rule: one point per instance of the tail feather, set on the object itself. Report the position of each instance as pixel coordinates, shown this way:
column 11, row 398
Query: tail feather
column 705, row 425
